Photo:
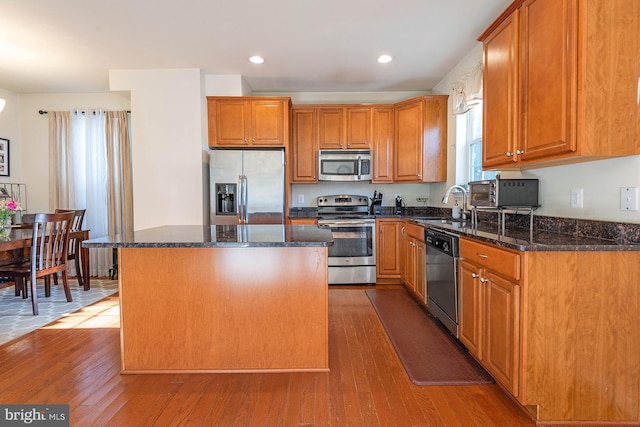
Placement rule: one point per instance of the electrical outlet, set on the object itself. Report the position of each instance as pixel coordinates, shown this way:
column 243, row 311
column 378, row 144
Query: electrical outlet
column 421, row 199
column 300, row 198
column 577, row 198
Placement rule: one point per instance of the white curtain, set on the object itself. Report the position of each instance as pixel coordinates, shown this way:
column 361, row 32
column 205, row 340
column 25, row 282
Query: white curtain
column 81, row 173
column 467, row 90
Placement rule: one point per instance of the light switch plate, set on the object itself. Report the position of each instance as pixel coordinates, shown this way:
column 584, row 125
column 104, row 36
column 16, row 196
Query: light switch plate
column 629, row 198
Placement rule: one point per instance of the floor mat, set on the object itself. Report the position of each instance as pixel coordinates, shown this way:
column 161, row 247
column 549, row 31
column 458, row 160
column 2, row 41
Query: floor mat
column 16, row 313
column 430, row 355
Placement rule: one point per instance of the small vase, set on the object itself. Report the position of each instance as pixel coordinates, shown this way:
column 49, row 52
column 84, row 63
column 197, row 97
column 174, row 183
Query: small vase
column 5, row 228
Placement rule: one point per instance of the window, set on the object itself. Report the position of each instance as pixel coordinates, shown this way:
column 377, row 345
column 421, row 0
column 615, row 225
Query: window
column 473, row 142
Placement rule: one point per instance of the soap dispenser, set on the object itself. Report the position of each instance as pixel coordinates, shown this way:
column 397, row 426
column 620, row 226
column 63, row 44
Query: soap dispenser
column 455, row 211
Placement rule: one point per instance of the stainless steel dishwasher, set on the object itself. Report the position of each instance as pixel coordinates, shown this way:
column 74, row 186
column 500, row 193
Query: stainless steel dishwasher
column 442, row 277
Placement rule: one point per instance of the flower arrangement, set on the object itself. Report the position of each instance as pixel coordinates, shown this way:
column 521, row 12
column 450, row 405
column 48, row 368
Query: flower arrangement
column 7, row 209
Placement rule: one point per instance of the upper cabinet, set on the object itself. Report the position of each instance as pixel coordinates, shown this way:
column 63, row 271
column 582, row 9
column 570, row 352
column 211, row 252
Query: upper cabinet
column 344, row 127
column 561, row 83
column 420, row 146
column 248, row 121
column 382, row 143
column 304, row 146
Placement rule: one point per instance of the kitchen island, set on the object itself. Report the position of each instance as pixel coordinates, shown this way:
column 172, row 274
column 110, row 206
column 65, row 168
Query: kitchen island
column 222, row 298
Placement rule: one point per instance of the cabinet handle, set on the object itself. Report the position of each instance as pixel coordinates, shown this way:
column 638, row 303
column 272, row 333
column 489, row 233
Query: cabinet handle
column 509, row 154
column 475, row 275
column 349, row 145
column 245, row 140
column 253, row 139
column 402, row 231
column 482, row 255
column 638, row 98
column 419, row 175
column 483, row 280
column 519, row 151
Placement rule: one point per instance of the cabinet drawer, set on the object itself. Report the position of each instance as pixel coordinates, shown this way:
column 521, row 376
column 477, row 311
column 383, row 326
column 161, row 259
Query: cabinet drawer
column 499, row 260
column 414, row 230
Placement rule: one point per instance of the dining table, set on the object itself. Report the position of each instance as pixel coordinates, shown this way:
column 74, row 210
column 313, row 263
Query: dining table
column 19, row 240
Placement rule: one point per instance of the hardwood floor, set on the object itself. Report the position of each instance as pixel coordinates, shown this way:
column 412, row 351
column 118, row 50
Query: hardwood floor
column 77, row 361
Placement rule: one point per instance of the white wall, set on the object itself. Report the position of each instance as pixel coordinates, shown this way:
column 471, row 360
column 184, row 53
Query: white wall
column 167, row 134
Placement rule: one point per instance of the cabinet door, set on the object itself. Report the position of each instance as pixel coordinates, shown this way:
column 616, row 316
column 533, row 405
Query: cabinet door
column 358, row 128
column 470, row 307
column 549, row 77
column 500, row 106
column 331, row 128
column 388, row 249
column 304, row 153
column 382, row 144
column 421, row 271
column 228, row 122
column 502, row 326
column 267, row 123
column 409, row 120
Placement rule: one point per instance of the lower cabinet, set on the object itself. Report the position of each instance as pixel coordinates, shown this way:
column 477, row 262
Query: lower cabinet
column 388, row 249
column 558, row 330
column 490, row 321
column 414, row 256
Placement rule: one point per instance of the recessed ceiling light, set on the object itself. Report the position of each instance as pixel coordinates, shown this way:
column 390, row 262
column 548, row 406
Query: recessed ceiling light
column 384, row 59
column 256, row 59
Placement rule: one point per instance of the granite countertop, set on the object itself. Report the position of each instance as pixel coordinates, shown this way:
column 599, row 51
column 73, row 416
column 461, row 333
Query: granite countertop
column 228, row 236
column 525, row 240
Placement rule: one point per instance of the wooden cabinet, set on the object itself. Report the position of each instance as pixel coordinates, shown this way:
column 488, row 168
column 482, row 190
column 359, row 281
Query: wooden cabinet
column 344, row 127
column 303, row 221
column 420, row 148
column 248, row 121
column 304, row 145
column 561, row 83
column 490, row 309
column 388, row 248
column 382, row 144
column 414, row 264
column 555, row 329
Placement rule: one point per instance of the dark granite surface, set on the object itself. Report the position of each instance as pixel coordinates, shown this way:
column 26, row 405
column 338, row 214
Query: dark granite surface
column 549, row 233
column 193, row 236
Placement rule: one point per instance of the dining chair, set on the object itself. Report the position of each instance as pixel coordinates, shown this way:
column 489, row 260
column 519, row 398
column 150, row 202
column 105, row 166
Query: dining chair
column 74, row 243
column 49, row 248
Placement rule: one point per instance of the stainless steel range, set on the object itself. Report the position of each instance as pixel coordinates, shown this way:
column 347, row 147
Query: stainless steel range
column 352, row 258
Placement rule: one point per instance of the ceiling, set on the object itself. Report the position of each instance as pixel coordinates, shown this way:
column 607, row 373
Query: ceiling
column 68, row 46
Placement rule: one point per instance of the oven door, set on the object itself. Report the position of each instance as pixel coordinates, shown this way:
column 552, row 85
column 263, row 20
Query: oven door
column 353, row 242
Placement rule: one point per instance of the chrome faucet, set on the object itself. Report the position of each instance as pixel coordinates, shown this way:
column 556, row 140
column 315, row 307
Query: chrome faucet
column 445, row 198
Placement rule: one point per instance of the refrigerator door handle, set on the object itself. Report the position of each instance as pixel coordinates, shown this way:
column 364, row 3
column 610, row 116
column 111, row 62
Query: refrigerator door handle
column 243, row 199
column 246, row 200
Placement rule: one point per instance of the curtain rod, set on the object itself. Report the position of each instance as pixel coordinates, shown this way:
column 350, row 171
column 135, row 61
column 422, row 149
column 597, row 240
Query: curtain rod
column 46, row 112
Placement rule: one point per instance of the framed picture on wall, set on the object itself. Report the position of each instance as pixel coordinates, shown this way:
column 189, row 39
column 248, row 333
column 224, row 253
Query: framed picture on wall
column 4, row 157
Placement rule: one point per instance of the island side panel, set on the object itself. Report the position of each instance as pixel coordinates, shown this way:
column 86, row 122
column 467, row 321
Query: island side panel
column 224, row 309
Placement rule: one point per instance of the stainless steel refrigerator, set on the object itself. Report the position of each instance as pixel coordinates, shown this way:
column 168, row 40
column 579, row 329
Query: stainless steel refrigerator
column 247, row 186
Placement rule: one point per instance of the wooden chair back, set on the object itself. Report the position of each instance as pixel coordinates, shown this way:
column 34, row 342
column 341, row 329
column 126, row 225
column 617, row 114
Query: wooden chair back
column 50, row 243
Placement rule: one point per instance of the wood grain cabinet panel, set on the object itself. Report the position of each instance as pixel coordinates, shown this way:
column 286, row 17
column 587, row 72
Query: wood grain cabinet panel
column 414, row 265
column 559, row 338
column 561, row 83
column 304, row 145
column 388, row 249
column 490, row 312
column 248, row 121
column 382, row 144
column 420, row 148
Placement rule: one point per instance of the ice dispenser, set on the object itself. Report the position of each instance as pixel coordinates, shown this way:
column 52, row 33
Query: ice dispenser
column 225, row 199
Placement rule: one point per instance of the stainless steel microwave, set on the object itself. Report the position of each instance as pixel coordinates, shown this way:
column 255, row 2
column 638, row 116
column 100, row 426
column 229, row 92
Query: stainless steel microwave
column 504, row 193
column 345, row 165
